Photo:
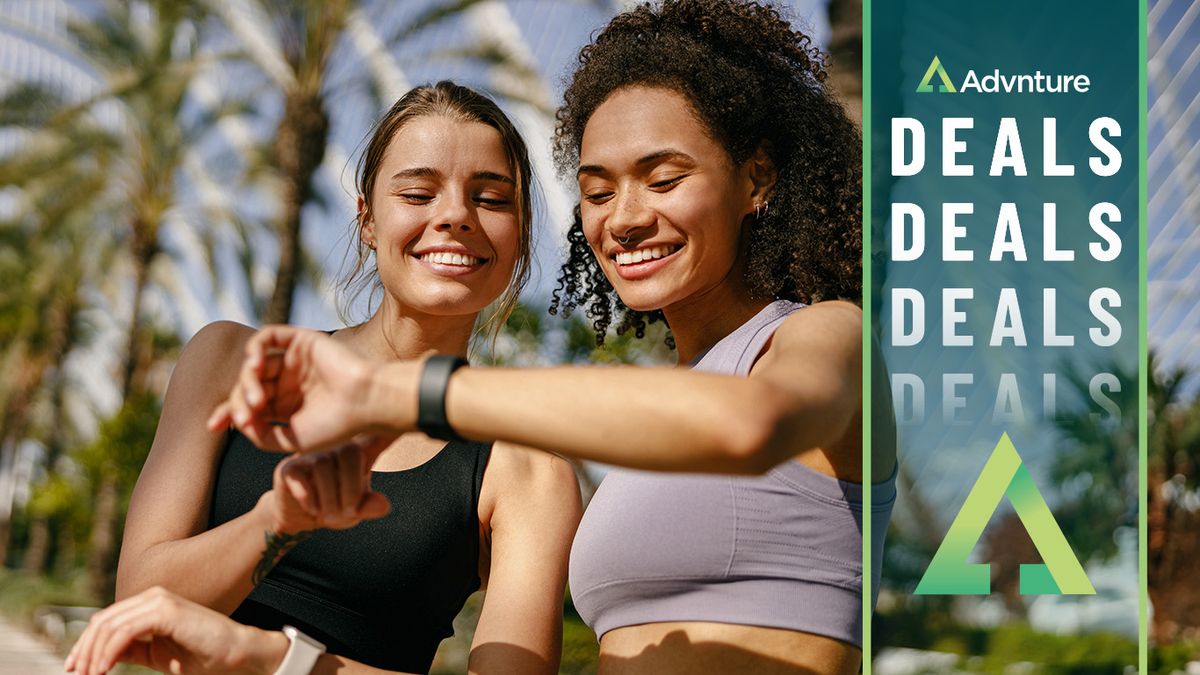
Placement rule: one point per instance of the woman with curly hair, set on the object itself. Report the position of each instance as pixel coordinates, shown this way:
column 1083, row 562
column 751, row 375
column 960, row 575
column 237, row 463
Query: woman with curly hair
column 720, row 193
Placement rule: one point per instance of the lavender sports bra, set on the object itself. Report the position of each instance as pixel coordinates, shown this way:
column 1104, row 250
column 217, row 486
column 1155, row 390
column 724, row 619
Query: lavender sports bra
column 781, row 550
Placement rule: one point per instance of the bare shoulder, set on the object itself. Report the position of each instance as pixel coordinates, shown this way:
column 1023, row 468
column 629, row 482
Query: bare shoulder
column 212, row 357
column 825, row 335
column 836, row 319
column 202, row 378
column 172, row 493
column 218, row 337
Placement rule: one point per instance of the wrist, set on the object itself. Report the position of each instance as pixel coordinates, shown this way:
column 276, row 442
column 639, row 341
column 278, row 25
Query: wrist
column 390, row 405
column 269, row 515
column 432, row 393
column 264, row 650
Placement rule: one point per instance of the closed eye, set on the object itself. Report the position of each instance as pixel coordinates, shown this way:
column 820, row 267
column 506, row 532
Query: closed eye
column 488, row 201
column 666, row 183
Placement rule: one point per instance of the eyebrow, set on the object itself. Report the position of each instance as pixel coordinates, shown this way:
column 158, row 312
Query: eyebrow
column 492, row 175
column 667, row 153
column 427, row 172
column 416, row 172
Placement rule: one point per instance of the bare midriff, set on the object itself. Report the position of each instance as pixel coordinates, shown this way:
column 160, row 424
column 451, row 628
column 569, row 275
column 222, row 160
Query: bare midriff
column 704, row 648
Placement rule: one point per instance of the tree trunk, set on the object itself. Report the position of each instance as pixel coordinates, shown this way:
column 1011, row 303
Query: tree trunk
column 300, row 144
column 8, row 463
column 5, row 532
column 64, row 553
column 39, row 545
column 1156, row 526
column 136, row 352
column 102, row 547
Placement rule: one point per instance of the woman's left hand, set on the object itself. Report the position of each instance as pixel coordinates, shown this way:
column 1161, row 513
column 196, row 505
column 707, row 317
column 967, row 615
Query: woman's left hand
column 167, row 633
column 330, row 489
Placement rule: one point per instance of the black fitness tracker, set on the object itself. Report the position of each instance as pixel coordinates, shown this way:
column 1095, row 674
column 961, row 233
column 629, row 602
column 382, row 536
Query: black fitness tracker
column 431, row 396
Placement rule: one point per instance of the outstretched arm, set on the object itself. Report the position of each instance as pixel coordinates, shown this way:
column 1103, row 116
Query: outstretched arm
column 803, row 393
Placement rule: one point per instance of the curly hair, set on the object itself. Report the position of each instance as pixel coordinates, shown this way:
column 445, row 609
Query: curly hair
column 753, row 81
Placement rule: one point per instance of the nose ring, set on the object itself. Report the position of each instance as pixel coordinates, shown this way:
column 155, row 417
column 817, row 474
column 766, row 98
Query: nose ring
column 626, row 240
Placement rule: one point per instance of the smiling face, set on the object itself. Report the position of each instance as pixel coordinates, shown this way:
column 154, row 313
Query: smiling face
column 661, row 200
column 443, row 217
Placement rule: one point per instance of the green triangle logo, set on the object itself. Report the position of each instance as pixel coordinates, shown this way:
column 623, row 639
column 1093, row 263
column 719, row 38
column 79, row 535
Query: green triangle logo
column 1004, row 475
column 926, row 86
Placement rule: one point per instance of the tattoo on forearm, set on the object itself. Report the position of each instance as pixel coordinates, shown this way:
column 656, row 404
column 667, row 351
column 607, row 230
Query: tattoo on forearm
column 277, row 545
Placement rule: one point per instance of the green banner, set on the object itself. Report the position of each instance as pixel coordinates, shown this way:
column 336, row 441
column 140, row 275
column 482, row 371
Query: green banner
column 1003, row 150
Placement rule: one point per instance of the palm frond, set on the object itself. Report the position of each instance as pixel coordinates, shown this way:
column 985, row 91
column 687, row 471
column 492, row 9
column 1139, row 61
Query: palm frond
column 434, row 14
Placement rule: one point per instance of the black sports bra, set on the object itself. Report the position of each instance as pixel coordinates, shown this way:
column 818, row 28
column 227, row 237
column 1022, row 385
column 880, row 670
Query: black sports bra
column 386, row 591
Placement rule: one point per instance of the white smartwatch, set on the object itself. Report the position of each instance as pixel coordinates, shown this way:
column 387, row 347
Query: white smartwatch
column 302, row 653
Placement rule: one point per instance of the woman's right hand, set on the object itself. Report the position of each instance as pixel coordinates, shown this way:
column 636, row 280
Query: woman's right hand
column 167, row 633
column 302, row 391
column 330, row 489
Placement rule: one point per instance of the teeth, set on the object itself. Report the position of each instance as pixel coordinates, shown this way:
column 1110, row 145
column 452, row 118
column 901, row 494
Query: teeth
column 446, row 258
column 643, row 254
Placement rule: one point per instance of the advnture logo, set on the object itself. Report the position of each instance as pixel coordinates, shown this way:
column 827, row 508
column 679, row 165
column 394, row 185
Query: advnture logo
column 926, row 86
column 1000, row 83
column 1004, row 475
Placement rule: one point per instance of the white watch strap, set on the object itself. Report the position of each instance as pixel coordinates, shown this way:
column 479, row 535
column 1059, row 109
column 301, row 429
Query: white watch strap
column 302, row 653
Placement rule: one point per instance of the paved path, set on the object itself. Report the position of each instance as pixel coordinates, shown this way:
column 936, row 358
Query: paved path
column 23, row 654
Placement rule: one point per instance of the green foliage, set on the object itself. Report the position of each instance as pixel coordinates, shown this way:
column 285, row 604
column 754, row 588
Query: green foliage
column 121, row 446
column 995, row 650
column 925, row 622
column 58, row 497
column 1173, row 658
column 21, row 594
column 532, row 338
column 521, row 341
column 1096, row 471
column 581, row 651
column 618, row 349
column 1088, row 654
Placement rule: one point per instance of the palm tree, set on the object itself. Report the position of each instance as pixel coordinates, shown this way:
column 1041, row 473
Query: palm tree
column 146, row 57
column 1101, row 448
column 1173, row 503
column 42, row 285
column 148, row 78
column 309, row 30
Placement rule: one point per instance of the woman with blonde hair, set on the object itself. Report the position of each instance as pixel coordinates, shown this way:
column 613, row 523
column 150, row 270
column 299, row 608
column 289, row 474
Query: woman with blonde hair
column 444, row 213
